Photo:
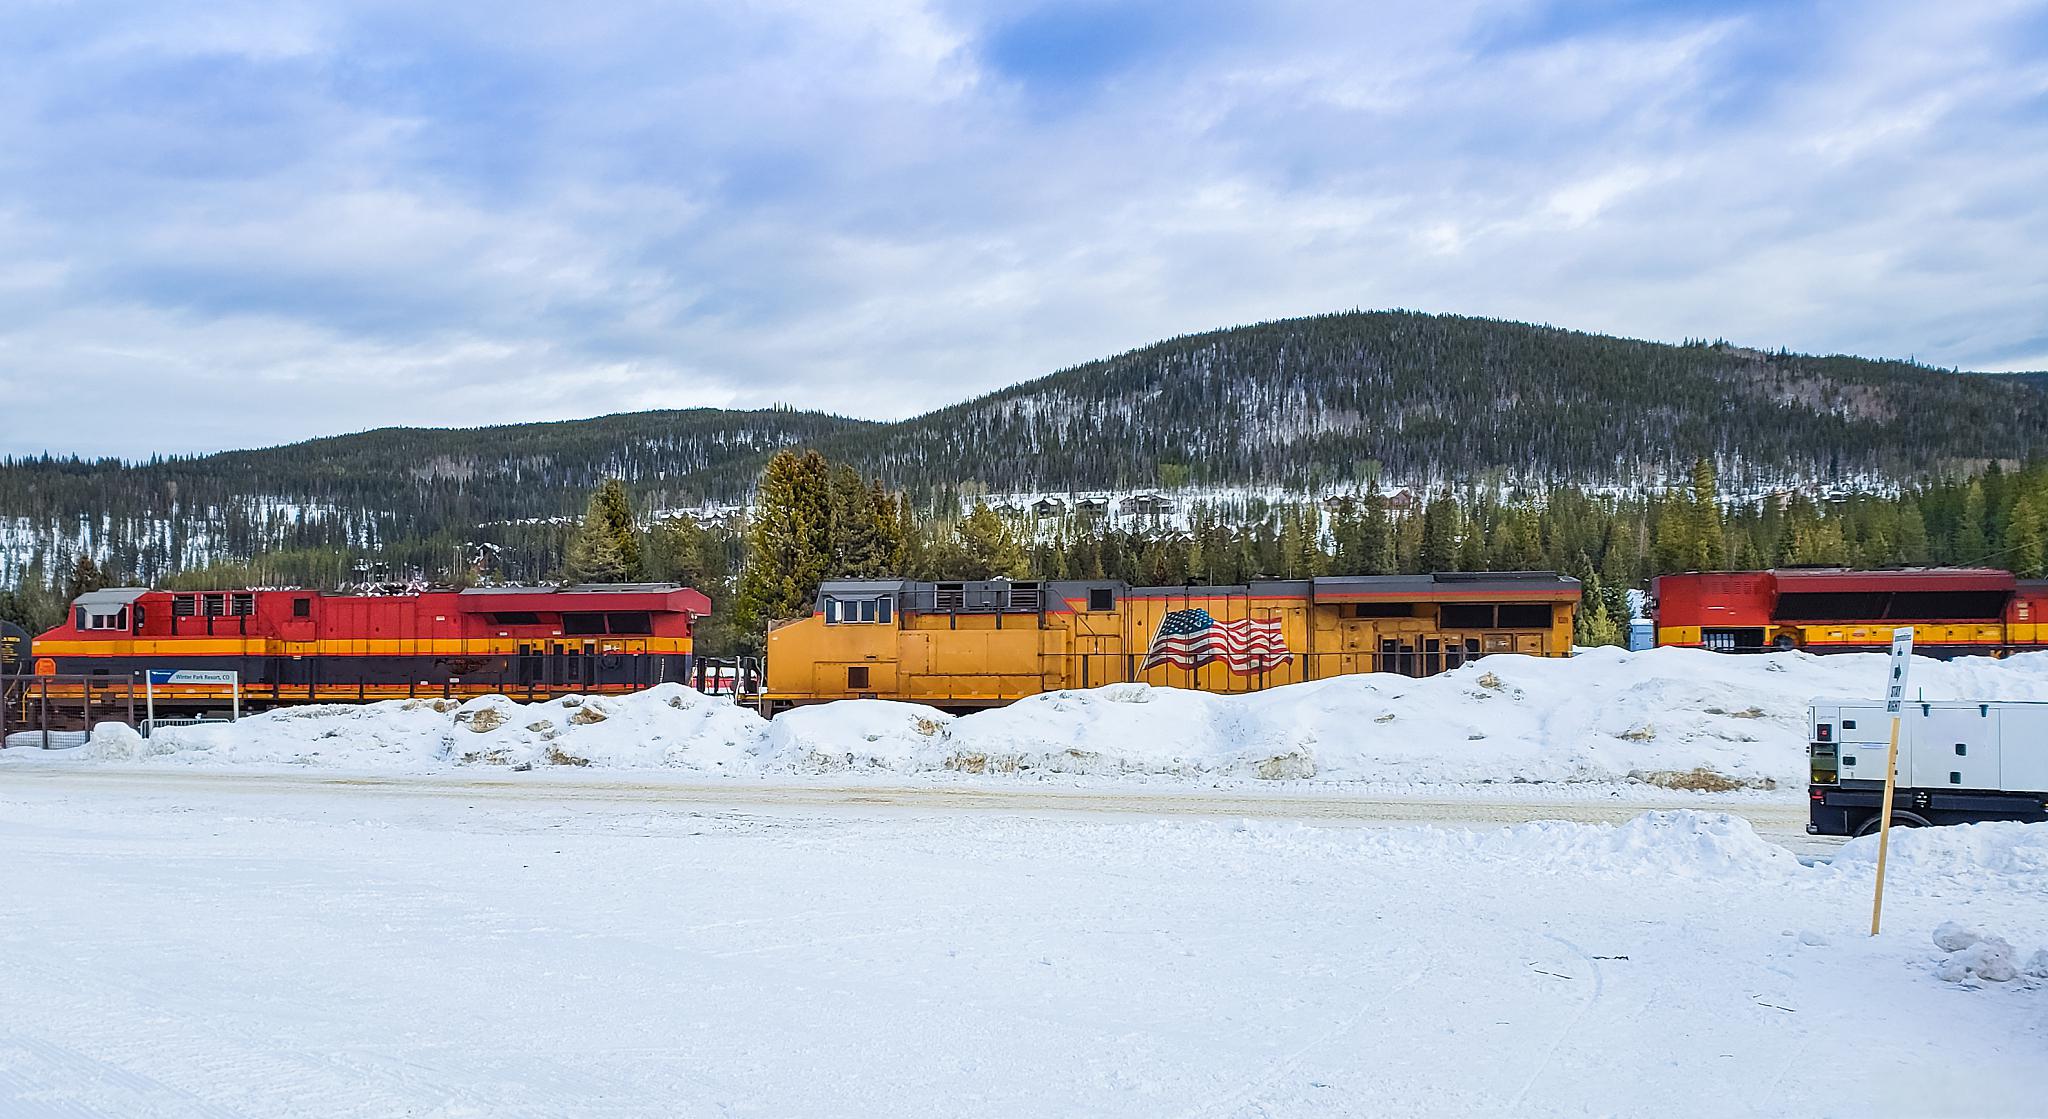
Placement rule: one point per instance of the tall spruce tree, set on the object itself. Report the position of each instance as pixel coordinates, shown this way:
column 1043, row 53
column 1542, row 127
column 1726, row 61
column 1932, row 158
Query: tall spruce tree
column 1380, row 554
column 1972, row 544
column 1440, row 528
column 1709, row 548
column 606, row 547
column 989, row 550
column 85, row 578
column 2023, row 549
column 789, row 543
column 862, row 537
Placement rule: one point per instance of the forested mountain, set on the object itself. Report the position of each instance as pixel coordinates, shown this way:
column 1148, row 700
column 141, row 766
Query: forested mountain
column 1309, row 405
column 409, row 495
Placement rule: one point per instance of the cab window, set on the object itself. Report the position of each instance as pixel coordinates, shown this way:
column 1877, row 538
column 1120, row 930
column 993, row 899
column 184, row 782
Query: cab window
column 854, row 611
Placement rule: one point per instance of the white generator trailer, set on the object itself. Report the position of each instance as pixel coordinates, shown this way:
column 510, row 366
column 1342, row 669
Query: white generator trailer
column 1958, row 763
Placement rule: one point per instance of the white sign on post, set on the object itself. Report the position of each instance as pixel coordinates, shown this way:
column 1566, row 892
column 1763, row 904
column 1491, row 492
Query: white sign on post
column 1894, row 699
column 176, row 676
column 1902, row 659
column 152, row 678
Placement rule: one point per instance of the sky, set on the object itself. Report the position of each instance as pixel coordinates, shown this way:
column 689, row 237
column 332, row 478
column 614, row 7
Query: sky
column 227, row 225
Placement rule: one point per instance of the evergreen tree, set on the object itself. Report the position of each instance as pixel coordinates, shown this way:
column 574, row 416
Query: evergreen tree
column 1620, row 562
column 789, row 543
column 1971, row 545
column 1912, row 540
column 606, row 549
column 1594, row 624
column 1677, row 541
column 1709, row 549
column 2023, row 551
column 85, row 578
column 989, row 550
column 1440, row 530
column 1380, row 556
column 863, row 545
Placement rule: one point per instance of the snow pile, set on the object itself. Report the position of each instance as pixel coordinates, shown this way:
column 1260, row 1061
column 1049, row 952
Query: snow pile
column 1677, row 718
column 395, row 733
column 1135, row 728
column 2000, row 849
column 666, row 726
column 1666, row 844
column 857, row 734
column 1974, row 956
column 1681, row 718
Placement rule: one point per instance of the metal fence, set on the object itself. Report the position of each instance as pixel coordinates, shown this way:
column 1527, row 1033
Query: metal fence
column 52, row 712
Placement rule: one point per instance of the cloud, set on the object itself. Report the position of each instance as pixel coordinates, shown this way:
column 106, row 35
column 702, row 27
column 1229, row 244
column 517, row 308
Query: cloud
column 234, row 225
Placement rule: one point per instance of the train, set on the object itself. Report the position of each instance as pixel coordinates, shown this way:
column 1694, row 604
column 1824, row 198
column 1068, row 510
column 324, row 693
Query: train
column 964, row 645
column 306, row 646
column 1953, row 611
column 956, row 645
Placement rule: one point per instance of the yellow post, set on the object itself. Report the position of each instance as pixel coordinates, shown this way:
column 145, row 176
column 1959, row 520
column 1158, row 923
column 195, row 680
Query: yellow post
column 1884, row 823
column 1894, row 699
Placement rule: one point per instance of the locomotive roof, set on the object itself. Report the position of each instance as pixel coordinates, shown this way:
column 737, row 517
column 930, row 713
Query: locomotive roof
column 111, row 596
column 581, row 588
column 864, row 586
column 1443, row 584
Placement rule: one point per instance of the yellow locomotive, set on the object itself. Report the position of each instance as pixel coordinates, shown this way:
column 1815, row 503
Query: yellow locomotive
column 965, row 645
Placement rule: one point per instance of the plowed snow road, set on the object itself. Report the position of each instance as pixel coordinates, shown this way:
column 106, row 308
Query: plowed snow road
column 200, row 944
column 1782, row 821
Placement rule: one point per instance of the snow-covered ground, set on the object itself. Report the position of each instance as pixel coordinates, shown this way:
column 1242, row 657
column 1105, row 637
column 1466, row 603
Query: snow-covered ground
column 221, row 948
column 1673, row 717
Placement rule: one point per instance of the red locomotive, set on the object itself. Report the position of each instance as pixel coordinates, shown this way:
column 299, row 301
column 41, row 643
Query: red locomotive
column 1953, row 611
column 301, row 646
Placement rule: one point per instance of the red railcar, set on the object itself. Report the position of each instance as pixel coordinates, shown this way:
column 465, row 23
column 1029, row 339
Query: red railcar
column 1953, row 611
column 300, row 646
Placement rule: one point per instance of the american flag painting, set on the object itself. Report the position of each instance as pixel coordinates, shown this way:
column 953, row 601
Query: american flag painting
column 1192, row 638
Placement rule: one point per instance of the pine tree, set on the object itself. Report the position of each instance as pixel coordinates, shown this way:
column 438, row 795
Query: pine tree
column 1709, row 549
column 85, row 578
column 862, row 546
column 1594, row 625
column 1620, row 563
column 1380, row 556
column 2023, row 553
column 789, row 543
column 606, row 549
column 1912, row 540
column 1677, row 542
column 888, row 528
column 1971, row 545
column 989, row 549
column 1440, row 527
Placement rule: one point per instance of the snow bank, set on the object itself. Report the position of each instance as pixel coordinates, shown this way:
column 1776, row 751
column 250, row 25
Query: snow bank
column 2002, row 849
column 1674, row 717
column 1974, row 956
column 857, row 734
column 667, row 726
column 1667, row 844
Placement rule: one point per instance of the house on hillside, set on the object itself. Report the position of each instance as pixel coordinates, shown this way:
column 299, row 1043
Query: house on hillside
column 1048, row 507
column 1145, row 505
